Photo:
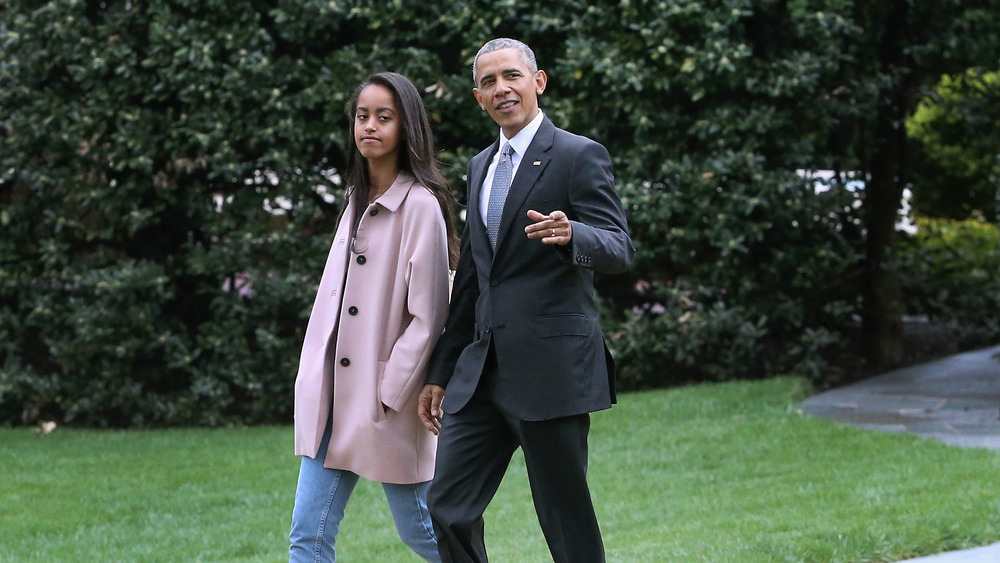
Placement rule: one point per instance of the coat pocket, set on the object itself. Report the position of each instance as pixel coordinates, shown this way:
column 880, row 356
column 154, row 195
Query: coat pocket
column 564, row 324
column 381, row 411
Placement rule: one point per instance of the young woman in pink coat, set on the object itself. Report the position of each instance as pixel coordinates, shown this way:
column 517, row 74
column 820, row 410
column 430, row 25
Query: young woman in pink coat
column 380, row 307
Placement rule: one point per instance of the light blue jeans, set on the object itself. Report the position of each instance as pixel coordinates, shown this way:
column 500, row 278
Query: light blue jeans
column 322, row 495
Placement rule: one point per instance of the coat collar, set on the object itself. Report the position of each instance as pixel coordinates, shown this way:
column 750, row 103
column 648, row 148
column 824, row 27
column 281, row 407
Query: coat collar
column 393, row 198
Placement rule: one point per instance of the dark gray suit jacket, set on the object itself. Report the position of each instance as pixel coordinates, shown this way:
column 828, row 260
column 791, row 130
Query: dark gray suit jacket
column 535, row 302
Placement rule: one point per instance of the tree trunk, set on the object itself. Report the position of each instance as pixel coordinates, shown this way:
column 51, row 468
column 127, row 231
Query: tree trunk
column 882, row 319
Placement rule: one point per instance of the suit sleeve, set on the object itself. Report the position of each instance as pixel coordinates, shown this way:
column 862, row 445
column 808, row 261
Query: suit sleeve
column 425, row 245
column 601, row 239
column 460, row 329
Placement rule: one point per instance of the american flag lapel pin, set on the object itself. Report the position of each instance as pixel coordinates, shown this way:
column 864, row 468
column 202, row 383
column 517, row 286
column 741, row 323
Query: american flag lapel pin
column 536, row 163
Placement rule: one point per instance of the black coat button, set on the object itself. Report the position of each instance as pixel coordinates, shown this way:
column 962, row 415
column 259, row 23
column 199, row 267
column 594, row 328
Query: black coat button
column 345, row 362
column 373, row 212
column 353, row 310
column 494, row 283
column 362, row 259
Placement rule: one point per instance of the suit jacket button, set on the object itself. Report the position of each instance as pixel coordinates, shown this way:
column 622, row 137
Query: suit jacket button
column 494, row 283
column 353, row 310
column 362, row 259
column 345, row 362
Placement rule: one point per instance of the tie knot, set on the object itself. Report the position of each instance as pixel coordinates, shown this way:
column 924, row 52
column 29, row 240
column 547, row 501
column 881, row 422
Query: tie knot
column 506, row 150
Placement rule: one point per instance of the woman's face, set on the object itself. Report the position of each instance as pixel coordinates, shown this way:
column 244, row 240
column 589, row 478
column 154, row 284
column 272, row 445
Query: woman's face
column 376, row 125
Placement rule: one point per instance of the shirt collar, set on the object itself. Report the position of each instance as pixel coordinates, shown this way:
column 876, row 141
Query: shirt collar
column 523, row 137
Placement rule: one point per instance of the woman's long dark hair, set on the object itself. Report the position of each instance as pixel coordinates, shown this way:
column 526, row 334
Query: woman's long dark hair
column 416, row 152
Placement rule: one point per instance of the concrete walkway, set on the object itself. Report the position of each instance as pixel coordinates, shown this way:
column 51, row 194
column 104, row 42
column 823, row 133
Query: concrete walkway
column 988, row 554
column 955, row 400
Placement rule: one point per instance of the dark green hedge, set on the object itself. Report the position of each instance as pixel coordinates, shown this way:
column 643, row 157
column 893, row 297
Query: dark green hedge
column 951, row 275
column 168, row 183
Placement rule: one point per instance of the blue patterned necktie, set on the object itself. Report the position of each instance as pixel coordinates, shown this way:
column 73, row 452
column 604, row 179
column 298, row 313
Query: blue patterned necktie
column 498, row 193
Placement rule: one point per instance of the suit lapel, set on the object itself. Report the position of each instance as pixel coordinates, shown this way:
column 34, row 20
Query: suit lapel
column 533, row 162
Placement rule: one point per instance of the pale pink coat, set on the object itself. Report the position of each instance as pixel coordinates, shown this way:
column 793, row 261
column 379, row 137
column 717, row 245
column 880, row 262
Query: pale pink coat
column 396, row 277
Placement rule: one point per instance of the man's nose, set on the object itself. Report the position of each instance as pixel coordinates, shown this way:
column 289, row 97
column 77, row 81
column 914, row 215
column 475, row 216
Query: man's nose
column 501, row 88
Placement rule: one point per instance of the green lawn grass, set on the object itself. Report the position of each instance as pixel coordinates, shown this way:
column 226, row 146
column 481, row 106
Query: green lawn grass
column 729, row 472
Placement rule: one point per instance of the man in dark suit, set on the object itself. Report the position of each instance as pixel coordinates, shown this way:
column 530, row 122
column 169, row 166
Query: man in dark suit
column 523, row 357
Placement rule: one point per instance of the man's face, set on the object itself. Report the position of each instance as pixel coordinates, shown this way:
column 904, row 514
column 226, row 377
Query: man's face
column 507, row 89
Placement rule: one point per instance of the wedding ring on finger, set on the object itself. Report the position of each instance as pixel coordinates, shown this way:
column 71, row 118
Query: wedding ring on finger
column 553, row 232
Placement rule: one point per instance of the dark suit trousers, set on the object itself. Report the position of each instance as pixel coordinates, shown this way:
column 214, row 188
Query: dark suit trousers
column 474, row 449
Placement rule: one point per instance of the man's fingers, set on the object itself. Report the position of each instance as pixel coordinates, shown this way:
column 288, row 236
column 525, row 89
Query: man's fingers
column 436, row 400
column 432, row 424
column 536, row 216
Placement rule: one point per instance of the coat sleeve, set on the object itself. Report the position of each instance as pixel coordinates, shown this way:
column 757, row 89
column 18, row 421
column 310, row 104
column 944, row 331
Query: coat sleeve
column 601, row 239
column 425, row 248
column 460, row 329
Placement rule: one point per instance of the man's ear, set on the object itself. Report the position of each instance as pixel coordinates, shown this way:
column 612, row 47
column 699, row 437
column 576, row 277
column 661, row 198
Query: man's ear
column 479, row 98
column 541, row 79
